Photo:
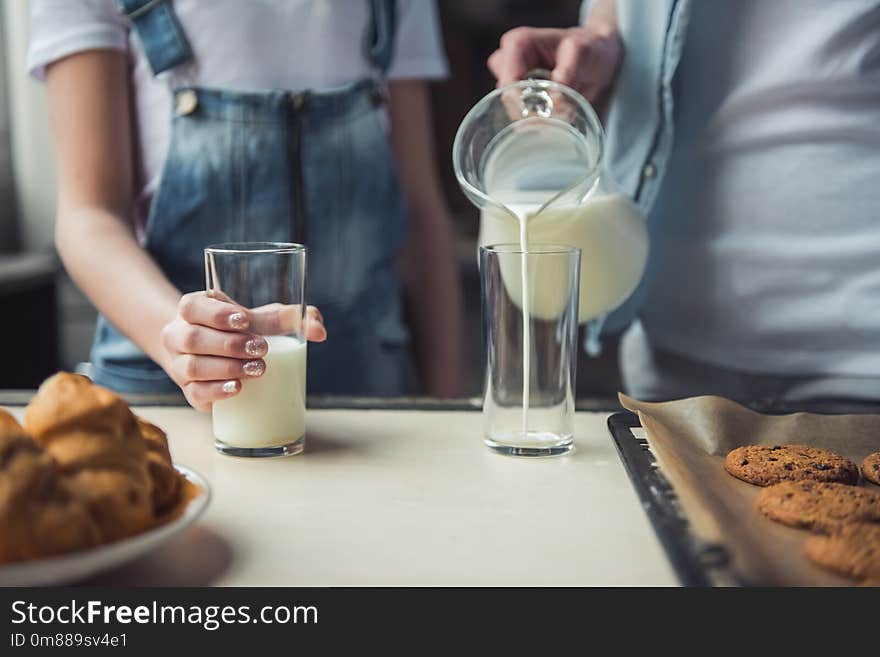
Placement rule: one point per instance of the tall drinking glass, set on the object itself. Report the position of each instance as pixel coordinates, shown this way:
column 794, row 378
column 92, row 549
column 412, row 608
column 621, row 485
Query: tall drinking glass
column 267, row 417
column 530, row 353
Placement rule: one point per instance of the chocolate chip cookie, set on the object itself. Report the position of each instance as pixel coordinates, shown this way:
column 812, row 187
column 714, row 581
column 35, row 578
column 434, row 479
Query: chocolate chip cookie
column 818, row 505
column 871, row 468
column 853, row 550
column 764, row 465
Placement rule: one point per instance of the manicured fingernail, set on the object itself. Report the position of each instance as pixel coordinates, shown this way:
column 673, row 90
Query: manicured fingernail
column 254, row 368
column 238, row 321
column 229, row 387
column 255, row 347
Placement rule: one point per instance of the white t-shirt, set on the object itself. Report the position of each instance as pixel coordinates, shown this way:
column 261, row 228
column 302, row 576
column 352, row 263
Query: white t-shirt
column 254, row 45
column 766, row 230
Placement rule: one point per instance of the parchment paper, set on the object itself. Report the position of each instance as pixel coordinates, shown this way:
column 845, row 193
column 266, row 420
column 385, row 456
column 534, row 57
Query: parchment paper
column 691, row 437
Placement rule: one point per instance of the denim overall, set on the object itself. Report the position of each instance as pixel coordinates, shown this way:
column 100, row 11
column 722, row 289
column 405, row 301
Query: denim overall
column 311, row 167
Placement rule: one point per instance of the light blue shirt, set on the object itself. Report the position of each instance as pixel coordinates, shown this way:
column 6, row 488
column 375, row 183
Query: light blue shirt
column 639, row 127
column 749, row 133
column 639, row 124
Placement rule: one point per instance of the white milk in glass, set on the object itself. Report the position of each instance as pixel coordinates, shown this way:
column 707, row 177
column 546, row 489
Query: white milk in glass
column 269, row 410
column 525, row 169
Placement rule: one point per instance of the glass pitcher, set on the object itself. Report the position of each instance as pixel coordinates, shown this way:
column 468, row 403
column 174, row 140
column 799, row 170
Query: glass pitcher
column 530, row 156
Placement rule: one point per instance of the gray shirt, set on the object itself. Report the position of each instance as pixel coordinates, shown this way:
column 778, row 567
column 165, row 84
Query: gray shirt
column 766, row 222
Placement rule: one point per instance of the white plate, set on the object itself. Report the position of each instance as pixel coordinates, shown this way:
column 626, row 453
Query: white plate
column 85, row 563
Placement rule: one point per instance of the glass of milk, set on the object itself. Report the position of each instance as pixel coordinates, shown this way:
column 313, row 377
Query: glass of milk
column 530, row 156
column 267, row 417
column 530, row 347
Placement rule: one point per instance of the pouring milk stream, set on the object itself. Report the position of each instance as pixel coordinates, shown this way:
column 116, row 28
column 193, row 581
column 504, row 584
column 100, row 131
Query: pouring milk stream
column 530, row 156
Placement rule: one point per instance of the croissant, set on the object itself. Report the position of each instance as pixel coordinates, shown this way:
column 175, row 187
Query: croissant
column 95, row 441
column 166, row 480
column 39, row 515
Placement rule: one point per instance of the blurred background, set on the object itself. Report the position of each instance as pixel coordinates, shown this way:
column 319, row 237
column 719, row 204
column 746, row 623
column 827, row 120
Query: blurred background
column 44, row 313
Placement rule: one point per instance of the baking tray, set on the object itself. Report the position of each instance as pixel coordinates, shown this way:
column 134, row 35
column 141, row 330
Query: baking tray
column 696, row 562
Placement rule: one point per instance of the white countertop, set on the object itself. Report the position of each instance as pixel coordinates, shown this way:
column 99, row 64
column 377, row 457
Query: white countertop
column 403, row 498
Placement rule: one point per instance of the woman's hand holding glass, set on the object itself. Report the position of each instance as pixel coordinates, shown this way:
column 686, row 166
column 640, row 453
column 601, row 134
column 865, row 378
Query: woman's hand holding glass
column 213, row 344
